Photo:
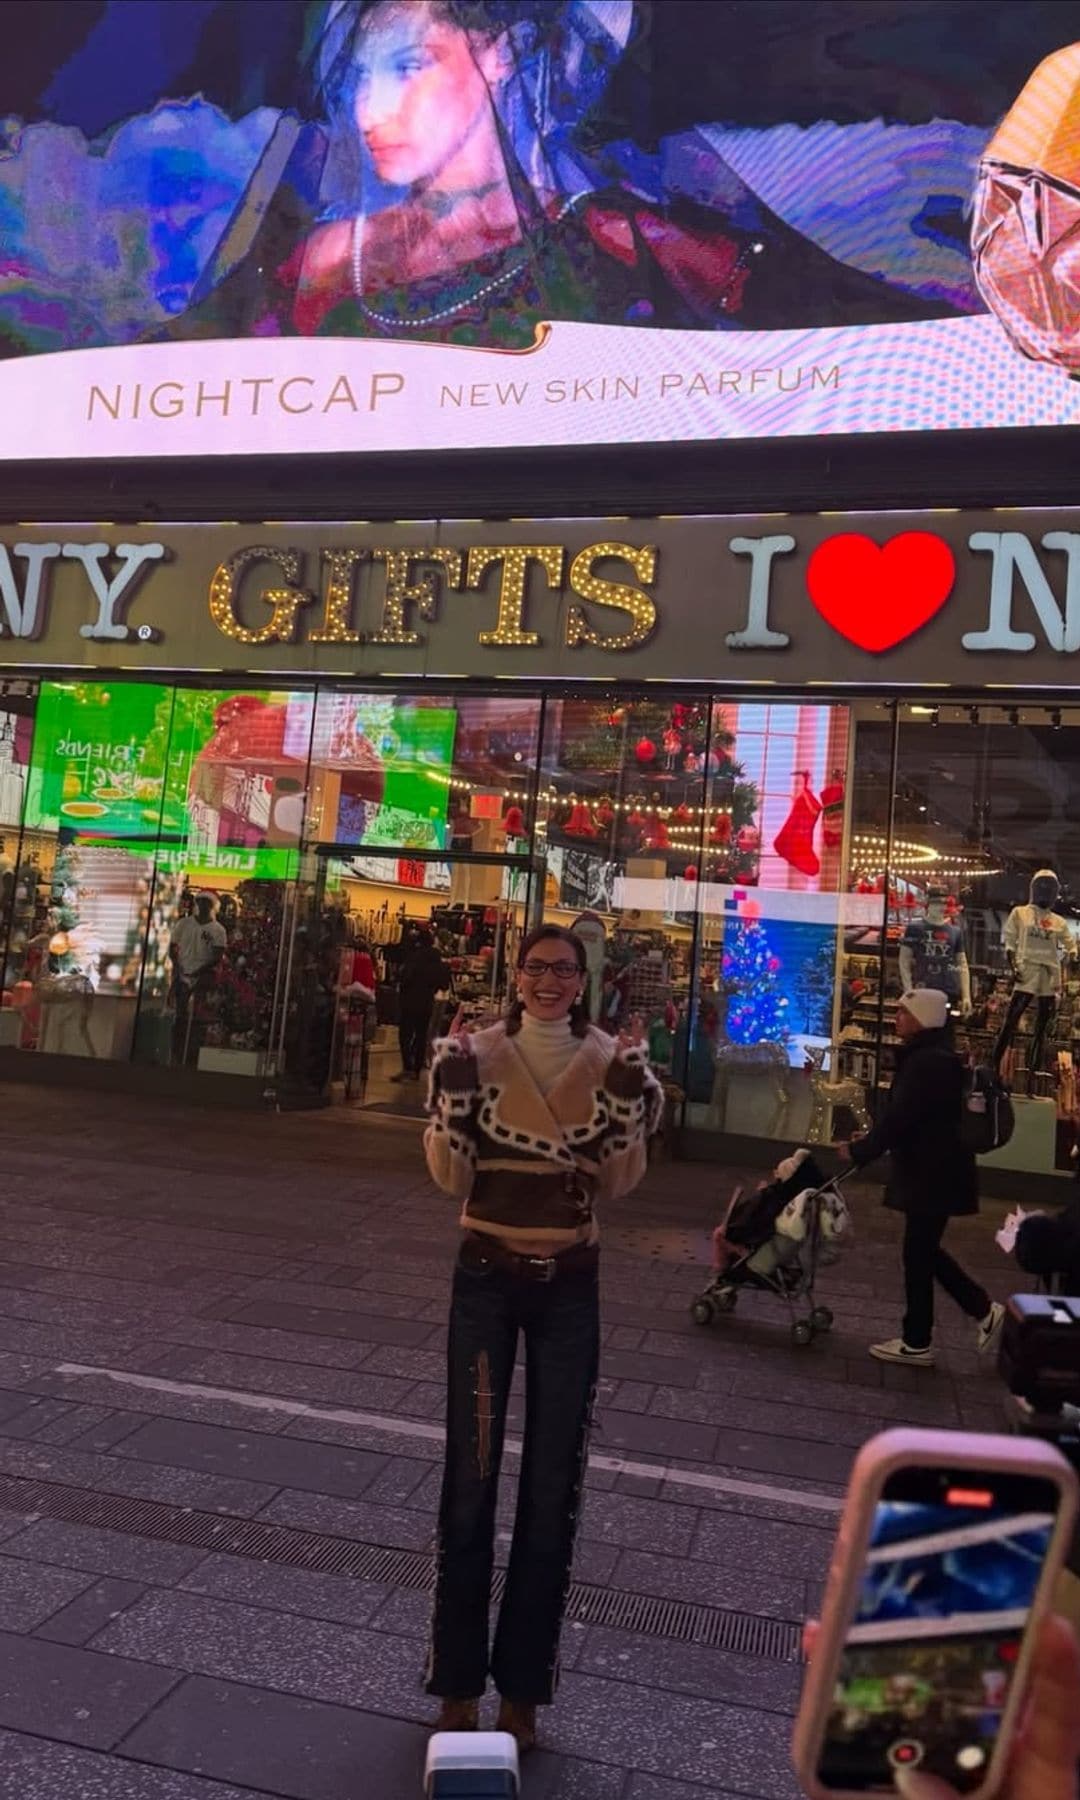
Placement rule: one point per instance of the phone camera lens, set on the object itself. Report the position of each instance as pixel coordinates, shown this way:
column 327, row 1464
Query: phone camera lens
column 907, row 1754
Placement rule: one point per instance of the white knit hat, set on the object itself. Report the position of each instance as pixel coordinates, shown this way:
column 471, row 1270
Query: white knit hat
column 928, row 1005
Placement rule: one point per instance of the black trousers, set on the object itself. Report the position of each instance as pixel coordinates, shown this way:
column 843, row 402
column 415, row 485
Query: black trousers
column 412, row 1034
column 559, row 1321
column 926, row 1262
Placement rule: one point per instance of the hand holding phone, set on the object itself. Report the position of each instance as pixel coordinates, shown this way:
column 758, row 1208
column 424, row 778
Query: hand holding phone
column 948, row 1552
column 1044, row 1761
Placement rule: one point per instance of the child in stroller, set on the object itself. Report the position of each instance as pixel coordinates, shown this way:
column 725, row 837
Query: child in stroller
column 772, row 1240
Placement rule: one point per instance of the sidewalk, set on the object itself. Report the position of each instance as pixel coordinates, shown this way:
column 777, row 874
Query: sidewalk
column 221, row 1352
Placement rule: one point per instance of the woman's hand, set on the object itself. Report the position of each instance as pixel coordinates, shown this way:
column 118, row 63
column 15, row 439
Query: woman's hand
column 1046, row 1751
column 632, row 1037
column 459, row 1028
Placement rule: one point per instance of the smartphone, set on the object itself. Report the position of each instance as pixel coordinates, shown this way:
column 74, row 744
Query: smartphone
column 948, row 1551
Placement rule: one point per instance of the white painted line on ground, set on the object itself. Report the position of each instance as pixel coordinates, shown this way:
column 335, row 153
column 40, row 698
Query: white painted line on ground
column 434, row 1434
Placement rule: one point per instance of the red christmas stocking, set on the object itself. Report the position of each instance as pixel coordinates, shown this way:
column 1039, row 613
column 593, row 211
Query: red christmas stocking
column 795, row 839
column 832, row 808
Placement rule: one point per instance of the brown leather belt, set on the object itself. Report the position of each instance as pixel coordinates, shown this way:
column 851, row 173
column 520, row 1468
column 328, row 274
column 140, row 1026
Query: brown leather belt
column 477, row 1249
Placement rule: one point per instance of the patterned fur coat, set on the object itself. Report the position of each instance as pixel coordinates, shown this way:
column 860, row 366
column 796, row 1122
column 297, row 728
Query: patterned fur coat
column 530, row 1166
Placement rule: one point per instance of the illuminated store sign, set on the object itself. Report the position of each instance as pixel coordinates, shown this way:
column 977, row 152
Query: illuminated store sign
column 561, row 223
column 912, row 598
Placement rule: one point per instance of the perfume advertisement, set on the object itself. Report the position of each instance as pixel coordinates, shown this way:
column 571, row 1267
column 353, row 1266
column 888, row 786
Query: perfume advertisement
column 398, row 224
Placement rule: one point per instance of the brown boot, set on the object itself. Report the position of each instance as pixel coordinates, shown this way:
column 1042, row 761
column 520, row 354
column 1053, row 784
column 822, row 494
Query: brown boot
column 459, row 1715
column 519, row 1719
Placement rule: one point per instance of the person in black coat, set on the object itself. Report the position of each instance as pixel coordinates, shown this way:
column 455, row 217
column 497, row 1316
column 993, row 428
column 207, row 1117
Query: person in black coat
column 933, row 1176
column 423, row 973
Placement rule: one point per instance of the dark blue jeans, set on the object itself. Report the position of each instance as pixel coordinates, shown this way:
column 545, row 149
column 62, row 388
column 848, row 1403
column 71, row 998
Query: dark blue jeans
column 559, row 1321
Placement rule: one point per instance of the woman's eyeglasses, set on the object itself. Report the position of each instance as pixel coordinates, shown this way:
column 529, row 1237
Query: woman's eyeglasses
column 564, row 971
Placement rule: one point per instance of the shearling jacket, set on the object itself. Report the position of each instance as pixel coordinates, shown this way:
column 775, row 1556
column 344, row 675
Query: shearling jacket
column 530, row 1166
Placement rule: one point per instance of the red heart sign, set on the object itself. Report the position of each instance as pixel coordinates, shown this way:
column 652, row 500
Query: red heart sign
column 876, row 595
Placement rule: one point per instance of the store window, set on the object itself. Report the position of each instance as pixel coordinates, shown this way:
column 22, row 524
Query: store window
column 17, row 702
column 703, row 841
column 765, row 1003
column 421, row 881
column 160, row 836
column 965, row 853
column 223, row 884
column 91, row 818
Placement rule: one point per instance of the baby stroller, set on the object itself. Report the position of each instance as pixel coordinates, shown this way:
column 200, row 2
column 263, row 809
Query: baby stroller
column 773, row 1239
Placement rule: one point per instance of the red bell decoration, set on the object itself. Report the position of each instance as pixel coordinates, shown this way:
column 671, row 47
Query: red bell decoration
column 637, row 818
column 580, row 823
column 645, row 751
column 656, row 835
column 720, row 835
column 690, row 872
column 514, row 822
column 682, row 815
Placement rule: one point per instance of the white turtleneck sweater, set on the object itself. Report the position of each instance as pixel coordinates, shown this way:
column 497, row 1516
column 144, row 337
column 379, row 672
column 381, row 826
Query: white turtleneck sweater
column 547, row 1047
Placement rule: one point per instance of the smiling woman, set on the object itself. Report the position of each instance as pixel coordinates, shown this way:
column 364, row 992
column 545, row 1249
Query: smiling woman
column 532, row 1121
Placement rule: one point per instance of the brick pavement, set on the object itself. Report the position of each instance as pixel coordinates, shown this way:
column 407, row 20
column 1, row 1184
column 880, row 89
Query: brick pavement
column 243, row 1316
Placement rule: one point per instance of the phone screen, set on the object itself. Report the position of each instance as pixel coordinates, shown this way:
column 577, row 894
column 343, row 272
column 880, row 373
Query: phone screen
column 953, row 1565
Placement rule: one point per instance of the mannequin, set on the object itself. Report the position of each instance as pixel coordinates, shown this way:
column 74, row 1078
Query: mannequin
column 933, row 955
column 589, row 927
column 1037, row 944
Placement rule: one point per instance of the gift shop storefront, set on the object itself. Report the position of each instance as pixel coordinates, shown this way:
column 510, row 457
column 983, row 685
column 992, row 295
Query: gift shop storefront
column 241, row 767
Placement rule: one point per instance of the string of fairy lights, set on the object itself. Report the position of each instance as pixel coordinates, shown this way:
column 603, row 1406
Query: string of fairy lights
column 682, row 821
column 870, row 853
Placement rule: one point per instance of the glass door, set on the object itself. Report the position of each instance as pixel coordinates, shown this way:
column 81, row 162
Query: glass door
column 381, row 951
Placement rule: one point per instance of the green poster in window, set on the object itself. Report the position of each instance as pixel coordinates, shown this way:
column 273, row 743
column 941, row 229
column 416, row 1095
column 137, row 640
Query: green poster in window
column 98, row 758
column 393, row 762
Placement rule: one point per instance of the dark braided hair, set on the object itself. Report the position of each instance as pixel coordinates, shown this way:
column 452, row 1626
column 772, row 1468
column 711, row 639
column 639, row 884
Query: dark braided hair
column 579, row 1012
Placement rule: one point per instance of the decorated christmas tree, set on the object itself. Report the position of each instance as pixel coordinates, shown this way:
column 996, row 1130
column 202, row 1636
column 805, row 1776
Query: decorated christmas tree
column 757, row 1011
column 638, row 775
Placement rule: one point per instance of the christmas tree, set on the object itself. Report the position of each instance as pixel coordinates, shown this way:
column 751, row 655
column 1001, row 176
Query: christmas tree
column 814, row 986
column 757, row 1011
column 640, row 775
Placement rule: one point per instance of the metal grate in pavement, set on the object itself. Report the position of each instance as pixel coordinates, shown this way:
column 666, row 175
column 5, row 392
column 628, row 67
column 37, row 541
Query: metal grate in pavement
column 746, row 1634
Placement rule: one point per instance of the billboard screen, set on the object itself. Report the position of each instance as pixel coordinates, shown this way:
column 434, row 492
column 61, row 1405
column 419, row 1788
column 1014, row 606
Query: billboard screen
column 401, row 224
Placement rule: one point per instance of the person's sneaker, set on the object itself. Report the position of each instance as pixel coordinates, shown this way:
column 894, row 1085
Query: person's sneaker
column 894, row 1350
column 990, row 1329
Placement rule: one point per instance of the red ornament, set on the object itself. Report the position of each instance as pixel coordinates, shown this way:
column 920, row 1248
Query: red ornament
column 514, row 822
column 645, row 750
column 748, row 838
column 720, row 835
column 682, row 815
column 617, row 716
column 656, row 835
column 637, row 819
column 690, row 873
column 580, row 823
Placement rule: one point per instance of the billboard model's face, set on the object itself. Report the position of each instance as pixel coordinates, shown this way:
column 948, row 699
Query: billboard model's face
column 422, row 103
